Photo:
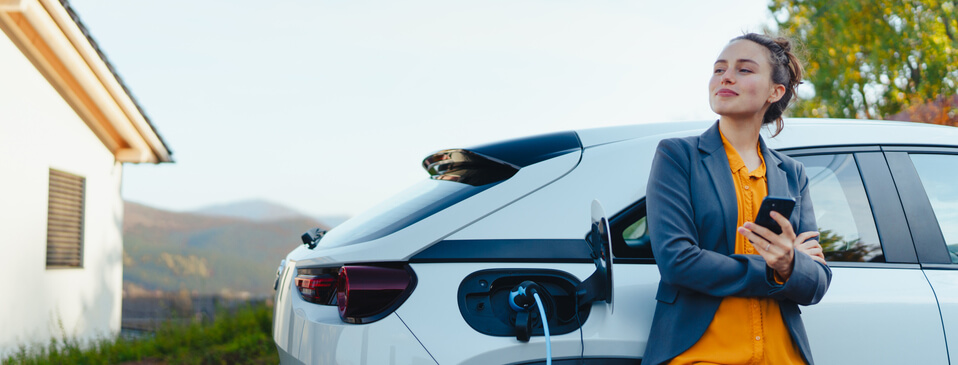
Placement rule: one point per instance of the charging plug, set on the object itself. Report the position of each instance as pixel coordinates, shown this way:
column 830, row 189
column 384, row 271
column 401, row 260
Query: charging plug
column 520, row 298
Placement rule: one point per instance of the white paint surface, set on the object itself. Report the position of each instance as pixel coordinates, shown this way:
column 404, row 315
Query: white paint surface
column 40, row 131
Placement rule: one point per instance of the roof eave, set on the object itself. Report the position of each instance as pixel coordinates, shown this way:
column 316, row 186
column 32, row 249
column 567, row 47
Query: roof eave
column 49, row 34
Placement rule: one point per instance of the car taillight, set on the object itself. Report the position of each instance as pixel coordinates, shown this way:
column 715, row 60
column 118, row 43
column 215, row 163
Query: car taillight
column 319, row 289
column 366, row 294
column 363, row 293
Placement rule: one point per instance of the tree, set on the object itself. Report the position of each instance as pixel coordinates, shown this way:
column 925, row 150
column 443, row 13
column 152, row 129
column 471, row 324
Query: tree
column 875, row 58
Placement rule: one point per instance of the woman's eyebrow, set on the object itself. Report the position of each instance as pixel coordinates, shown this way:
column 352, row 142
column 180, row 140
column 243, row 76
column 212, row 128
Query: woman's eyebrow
column 740, row 60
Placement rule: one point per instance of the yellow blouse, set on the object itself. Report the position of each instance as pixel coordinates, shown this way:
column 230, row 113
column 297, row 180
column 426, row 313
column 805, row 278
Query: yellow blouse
column 745, row 330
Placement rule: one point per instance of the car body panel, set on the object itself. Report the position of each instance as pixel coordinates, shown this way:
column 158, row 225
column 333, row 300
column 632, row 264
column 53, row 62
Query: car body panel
column 598, row 136
column 945, row 284
column 798, row 132
column 562, row 209
column 876, row 316
column 432, row 312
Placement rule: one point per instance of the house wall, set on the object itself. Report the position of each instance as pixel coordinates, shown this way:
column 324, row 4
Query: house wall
column 39, row 131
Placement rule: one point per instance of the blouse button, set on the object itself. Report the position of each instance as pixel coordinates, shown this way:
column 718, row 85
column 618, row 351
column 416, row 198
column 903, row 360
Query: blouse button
column 758, row 338
column 746, row 187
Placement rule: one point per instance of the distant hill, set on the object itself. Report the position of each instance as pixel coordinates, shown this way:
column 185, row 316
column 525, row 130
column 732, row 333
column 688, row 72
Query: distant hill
column 169, row 251
column 261, row 210
column 254, row 210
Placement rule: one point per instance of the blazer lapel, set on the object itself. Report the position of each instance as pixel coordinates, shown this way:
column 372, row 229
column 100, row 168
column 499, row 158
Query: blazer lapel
column 716, row 163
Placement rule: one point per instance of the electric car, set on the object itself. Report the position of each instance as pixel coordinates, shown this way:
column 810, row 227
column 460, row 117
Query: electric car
column 433, row 275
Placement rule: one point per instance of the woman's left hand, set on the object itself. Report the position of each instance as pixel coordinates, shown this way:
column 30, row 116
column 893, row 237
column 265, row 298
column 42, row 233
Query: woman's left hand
column 777, row 249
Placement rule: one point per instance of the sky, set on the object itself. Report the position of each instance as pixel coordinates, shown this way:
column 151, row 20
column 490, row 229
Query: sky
column 329, row 107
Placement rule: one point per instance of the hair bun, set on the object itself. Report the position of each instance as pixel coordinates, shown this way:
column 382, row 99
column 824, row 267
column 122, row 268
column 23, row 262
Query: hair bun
column 784, row 43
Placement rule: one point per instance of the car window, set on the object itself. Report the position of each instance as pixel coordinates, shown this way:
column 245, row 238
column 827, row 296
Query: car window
column 636, row 233
column 630, row 234
column 842, row 211
column 938, row 174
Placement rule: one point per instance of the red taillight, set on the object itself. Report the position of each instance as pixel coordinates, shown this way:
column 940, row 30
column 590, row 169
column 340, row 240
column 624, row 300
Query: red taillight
column 319, row 289
column 363, row 293
column 366, row 294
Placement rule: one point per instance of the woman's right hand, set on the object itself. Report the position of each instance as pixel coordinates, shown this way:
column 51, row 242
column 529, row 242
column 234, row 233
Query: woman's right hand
column 812, row 248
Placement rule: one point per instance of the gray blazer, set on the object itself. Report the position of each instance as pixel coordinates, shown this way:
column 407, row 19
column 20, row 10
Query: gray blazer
column 692, row 215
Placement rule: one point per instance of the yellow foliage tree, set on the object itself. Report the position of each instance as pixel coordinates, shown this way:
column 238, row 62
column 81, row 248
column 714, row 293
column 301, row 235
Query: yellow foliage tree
column 875, row 58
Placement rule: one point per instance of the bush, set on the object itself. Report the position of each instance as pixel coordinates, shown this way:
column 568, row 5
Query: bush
column 240, row 336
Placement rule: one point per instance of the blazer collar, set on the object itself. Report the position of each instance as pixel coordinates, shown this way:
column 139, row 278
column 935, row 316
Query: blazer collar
column 716, row 163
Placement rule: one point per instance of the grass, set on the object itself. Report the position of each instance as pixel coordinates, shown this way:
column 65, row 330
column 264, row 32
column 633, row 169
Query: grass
column 241, row 336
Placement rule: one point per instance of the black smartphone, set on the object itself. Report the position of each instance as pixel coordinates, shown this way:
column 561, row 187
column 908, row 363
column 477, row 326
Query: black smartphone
column 781, row 205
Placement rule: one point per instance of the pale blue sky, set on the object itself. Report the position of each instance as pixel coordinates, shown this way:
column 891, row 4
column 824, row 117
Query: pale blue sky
column 329, row 106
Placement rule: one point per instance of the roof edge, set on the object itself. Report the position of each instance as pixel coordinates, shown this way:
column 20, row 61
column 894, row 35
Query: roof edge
column 50, row 34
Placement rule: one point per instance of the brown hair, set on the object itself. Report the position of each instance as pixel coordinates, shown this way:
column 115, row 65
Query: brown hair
column 786, row 70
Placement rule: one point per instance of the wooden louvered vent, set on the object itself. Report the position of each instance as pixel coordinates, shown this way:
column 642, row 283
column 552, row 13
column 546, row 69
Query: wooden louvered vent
column 65, row 220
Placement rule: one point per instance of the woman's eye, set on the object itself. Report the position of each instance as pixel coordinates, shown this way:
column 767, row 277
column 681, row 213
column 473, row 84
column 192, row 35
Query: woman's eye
column 745, row 70
column 718, row 71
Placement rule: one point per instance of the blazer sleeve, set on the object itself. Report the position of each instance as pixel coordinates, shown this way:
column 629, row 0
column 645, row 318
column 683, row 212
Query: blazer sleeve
column 809, row 280
column 681, row 261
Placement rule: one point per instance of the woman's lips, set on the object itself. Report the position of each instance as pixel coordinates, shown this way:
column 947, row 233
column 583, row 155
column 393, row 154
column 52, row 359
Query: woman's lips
column 726, row 92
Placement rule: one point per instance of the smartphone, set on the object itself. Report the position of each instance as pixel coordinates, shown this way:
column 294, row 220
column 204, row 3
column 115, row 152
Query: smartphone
column 781, row 205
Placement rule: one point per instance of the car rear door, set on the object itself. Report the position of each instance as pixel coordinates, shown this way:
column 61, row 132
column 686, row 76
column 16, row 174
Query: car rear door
column 926, row 179
column 880, row 308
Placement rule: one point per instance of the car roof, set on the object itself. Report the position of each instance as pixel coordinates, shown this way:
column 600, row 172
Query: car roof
column 798, row 133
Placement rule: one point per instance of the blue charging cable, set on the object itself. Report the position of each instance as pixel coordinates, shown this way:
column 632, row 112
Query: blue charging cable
column 545, row 327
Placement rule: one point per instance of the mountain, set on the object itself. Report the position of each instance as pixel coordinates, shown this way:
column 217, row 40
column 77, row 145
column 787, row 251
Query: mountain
column 261, row 210
column 254, row 210
column 169, row 251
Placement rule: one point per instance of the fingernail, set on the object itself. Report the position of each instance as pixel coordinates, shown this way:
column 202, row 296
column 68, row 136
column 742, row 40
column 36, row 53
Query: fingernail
column 748, row 225
column 742, row 230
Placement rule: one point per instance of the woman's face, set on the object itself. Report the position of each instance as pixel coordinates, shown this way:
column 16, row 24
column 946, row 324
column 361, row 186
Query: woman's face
column 741, row 84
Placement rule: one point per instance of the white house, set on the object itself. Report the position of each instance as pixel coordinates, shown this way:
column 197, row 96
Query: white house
column 67, row 125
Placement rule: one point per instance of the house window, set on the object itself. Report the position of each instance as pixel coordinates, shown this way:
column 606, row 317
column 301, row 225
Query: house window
column 65, row 220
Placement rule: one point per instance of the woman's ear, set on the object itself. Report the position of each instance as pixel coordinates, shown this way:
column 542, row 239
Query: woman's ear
column 778, row 90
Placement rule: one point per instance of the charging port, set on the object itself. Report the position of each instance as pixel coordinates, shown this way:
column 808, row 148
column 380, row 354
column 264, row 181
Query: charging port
column 484, row 301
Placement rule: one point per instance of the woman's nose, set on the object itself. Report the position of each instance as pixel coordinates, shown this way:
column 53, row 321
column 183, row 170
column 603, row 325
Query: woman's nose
column 727, row 78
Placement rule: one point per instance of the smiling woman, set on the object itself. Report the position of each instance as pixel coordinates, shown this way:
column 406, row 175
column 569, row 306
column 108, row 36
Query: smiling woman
column 739, row 292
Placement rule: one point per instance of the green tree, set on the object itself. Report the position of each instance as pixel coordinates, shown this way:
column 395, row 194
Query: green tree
column 875, row 58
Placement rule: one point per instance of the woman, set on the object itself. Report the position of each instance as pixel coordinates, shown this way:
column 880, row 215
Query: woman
column 730, row 289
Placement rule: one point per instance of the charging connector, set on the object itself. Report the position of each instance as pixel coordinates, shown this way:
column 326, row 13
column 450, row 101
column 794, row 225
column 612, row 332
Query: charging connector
column 522, row 298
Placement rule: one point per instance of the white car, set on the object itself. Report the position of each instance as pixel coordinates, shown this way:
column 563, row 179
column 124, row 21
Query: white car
column 425, row 278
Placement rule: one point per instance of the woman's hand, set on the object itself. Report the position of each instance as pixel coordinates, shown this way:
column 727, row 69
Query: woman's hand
column 779, row 250
column 812, row 248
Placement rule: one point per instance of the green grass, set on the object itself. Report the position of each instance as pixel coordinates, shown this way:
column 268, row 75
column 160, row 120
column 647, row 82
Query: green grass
column 242, row 336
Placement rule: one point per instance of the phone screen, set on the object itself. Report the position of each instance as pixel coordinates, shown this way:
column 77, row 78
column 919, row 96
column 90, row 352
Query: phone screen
column 781, row 205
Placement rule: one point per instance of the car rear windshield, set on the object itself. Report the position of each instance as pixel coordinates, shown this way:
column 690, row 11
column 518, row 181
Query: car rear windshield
column 409, row 206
